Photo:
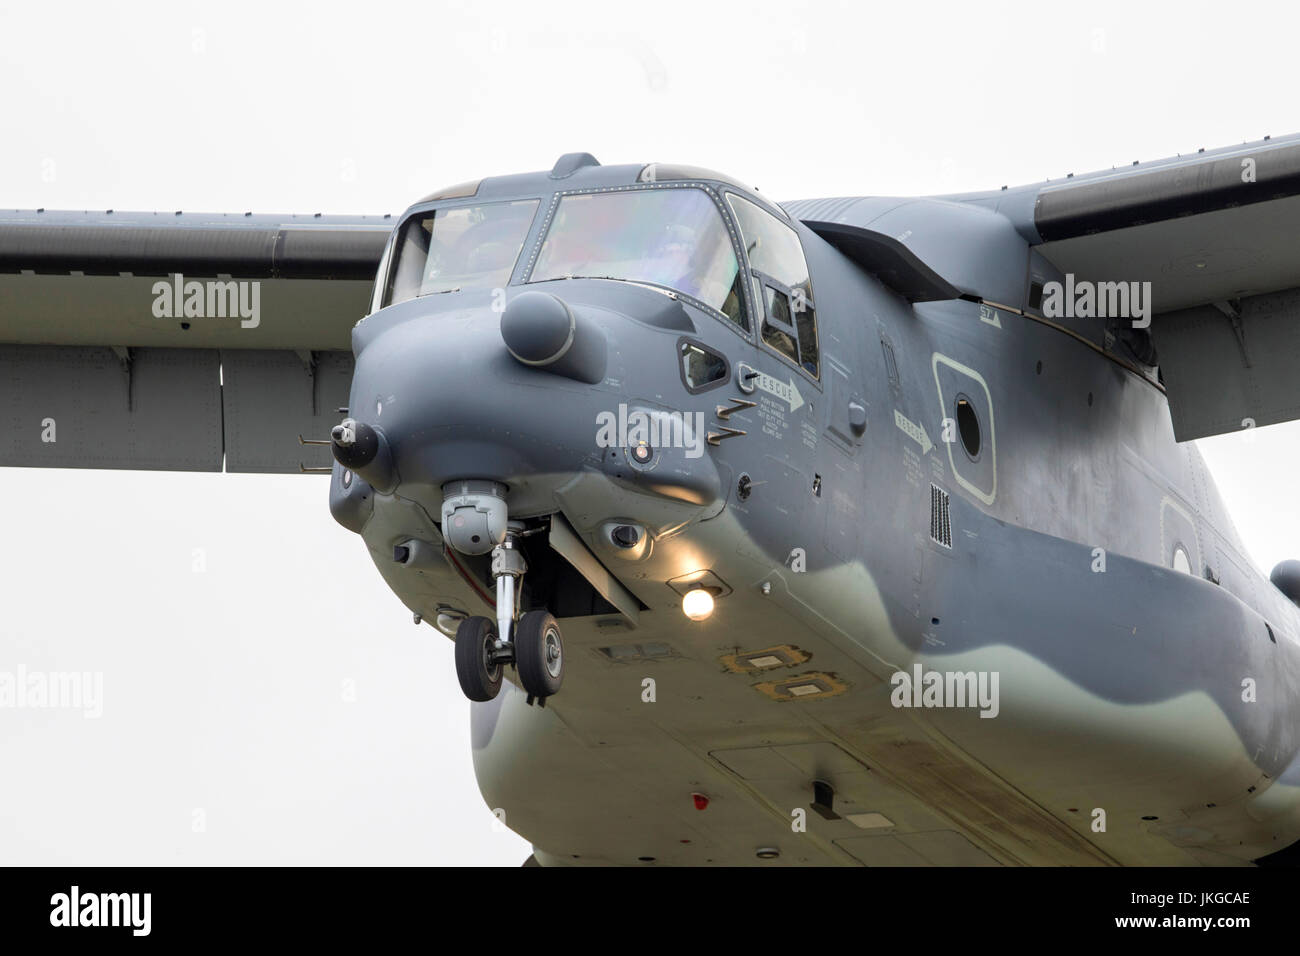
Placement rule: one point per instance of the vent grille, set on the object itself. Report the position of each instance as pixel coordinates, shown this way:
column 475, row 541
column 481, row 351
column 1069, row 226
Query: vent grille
column 940, row 523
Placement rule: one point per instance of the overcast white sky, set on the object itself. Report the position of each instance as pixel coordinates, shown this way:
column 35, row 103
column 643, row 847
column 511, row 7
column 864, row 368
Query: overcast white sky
column 224, row 690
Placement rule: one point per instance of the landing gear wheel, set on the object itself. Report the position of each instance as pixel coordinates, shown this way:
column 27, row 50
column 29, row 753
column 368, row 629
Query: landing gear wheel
column 539, row 654
column 480, row 677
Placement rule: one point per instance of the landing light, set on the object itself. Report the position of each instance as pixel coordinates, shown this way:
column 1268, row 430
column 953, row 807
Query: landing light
column 697, row 604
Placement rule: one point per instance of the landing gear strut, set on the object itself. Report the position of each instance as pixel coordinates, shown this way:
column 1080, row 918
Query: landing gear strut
column 533, row 644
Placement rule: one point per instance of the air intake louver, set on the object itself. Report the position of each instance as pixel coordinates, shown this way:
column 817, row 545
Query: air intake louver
column 940, row 524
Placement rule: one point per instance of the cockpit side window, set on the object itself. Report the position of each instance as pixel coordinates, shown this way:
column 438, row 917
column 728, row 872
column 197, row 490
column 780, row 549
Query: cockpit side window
column 782, row 289
column 459, row 247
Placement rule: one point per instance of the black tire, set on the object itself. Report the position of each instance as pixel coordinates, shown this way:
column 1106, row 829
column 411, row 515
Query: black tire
column 475, row 640
column 539, row 654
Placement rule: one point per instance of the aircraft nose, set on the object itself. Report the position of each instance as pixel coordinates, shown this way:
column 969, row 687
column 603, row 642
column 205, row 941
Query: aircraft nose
column 541, row 330
column 519, row 398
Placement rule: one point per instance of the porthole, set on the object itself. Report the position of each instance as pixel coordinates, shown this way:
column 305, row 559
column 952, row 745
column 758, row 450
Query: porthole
column 968, row 427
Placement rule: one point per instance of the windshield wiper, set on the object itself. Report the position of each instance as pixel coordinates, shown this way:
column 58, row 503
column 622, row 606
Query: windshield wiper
column 584, row 275
column 641, row 284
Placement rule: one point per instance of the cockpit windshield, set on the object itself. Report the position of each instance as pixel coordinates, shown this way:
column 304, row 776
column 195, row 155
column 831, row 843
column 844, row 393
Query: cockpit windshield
column 460, row 247
column 672, row 237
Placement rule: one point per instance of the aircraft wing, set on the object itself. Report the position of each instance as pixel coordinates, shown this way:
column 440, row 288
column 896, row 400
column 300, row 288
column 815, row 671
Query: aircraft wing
column 178, row 341
column 1214, row 232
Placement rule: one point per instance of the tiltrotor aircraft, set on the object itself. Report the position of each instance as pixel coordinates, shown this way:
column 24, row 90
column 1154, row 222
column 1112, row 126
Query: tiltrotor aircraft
column 856, row 530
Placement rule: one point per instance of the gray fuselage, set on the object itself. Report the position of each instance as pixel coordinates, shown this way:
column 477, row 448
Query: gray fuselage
column 1072, row 555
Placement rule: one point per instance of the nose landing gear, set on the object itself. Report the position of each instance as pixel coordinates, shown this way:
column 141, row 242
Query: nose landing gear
column 533, row 644
column 478, row 667
column 539, row 654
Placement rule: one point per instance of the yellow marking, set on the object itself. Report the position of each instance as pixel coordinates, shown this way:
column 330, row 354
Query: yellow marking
column 815, row 686
column 746, row 662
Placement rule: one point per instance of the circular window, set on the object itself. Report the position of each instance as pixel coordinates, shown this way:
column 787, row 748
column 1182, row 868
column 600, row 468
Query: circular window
column 1181, row 561
column 968, row 427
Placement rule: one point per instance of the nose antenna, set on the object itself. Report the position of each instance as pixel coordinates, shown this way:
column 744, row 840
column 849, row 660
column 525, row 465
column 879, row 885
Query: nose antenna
column 364, row 450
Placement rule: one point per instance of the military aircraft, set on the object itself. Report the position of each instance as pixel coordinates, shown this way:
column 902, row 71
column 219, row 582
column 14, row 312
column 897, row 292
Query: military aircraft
column 839, row 531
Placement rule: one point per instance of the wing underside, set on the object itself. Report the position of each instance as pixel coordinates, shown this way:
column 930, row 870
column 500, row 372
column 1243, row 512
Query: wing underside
column 179, row 342
column 1215, row 234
